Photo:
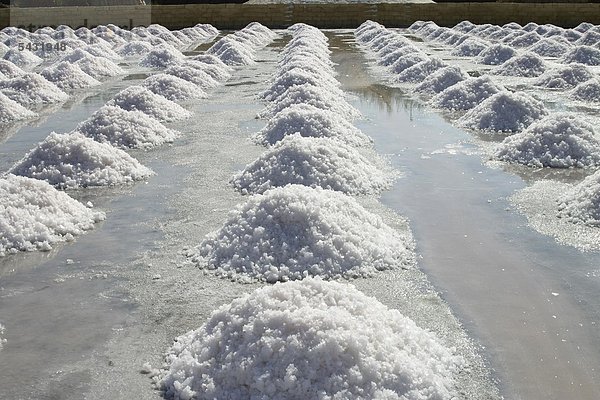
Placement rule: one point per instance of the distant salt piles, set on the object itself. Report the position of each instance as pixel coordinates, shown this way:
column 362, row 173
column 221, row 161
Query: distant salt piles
column 126, row 129
column 331, row 236
column 96, row 67
column 238, row 48
column 73, row 160
column 293, row 340
column 557, row 141
column 496, row 54
column 581, row 203
column 138, row 98
column 34, row 215
column 314, row 162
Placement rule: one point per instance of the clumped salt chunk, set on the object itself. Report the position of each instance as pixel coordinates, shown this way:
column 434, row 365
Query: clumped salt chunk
column 309, row 339
column 68, row 76
column 581, row 203
column 440, row 80
column 31, row 89
column 73, row 160
column 526, row 65
column 310, row 121
column 466, row 94
column 582, row 54
column 496, row 54
column 291, row 232
column 587, row 91
column 314, row 162
column 11, row 111
column 138, row 98
column 172, row 87
column 557, row 141
column 126, row 129
column 34, row 215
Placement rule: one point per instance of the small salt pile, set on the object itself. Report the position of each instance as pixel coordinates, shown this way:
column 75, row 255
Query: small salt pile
column 565, row 77
column 162, row 57
column 310, row 339
column 526, row 40
column 68, row 76
column 73, row 160
column 582, row 54
column 172, row 87
column 138, row 98
column 22, row 58
column 135, row 48
column 295, row 231
column 587, row 91
column 581, row 203
column 314, row 162
column 470, row 47
column 466, row 94
column 549, row 48
column 299, row 77
column 440, row 80
column 126, row 129
column 526, row 65
column 34, row 215
column 557, row 141
column 418, row 72
column 98, row 67
column 32, row 89
column 11, row 111
column 9, row 69
column 232, row 52
column 192, row 73
column 496, row 54
column 407, row 61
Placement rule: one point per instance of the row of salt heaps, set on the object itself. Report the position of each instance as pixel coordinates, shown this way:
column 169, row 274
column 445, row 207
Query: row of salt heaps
column 292, row 340
column 35, row 214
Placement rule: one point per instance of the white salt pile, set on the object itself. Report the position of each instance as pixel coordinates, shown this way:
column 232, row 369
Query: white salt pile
column 138, row 98
column 172, row 87
column 407, row 61
column 68, row 76
column 310, row 121
column 565, row 77
column 232, row 52
column 582, row 54
column 193, row 74
column 587, row 91
column 525, row 40
column 135, row 48
column 9, row 69
column 505, row 112
column 309, row 340
column 102, row 50
column 299, row 77
column 126, row 129
column 496, row 54
column 418, row 72
column 589, row 38
column 466, row 94
column 22, row 58
column 162, row 57
column 470, row 47
column 34, row 215
column 581, row 204
column 557, row 141
column 549, row 48
column 11, row 111
column 210, row 74
column 98, row 67
column 440, row 80
column 526, row 65
column 295, row 231
column 30, row 89
column 314, row 162
column 73, row 160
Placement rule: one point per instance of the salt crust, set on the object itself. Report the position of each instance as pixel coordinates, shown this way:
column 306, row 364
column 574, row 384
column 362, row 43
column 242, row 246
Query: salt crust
column 68, row 76
column 581, row 204
column 73, row 160
column 466, row 94
column 34, row 215
column 126, row 129
column 310, row 121
column 314, row 162
column 138, row 98
column 505, row 112
column 309, row 340
column 557, row 141
column 172, row 87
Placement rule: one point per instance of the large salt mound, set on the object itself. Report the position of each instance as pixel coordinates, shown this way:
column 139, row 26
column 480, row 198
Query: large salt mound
column 66, row 75
column 496, row 54
column 11, row 111
column 549, row 48
column 309, row 340
column 138, row 98
column 315, row 96
column 582, row 54
column 135, row 48
column 526, row 65
column 98, row 67
column 295, row 231
column 232, row 52
column 73, row 160
column 315, row 162
column 310, row 121
column 9, row 69
column 581, row 204
column 407, row 61
column 418, row 72
column 34, row 215
column 440, row 80
column 22, row 58
column 466, row 94
column 126, row 129
column 30, row 89
column 504, row 112
column 172, row 87
column 525, row 40
column 298, row 76
column 587, row 91
column 557, row 141
column 162, row 57
column 565, row 77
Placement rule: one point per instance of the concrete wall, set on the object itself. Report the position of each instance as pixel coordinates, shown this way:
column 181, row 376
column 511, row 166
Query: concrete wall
column 235, row 16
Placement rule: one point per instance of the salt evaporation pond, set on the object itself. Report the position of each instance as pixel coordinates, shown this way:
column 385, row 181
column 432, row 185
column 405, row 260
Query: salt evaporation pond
column 511, row 289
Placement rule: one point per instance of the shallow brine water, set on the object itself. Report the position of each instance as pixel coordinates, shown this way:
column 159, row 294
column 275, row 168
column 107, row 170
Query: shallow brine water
column 82, row 319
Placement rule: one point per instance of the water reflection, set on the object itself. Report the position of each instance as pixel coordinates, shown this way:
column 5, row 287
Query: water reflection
column 388, row 99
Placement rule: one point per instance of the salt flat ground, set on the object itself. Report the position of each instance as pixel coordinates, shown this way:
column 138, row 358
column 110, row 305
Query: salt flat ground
column 84, row 328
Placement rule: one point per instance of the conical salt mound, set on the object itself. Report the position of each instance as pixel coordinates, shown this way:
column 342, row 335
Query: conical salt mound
column 466, row 94
column 173, row 88
column 126, row 129
column 314, row 162
column 299, row 76
column 138, row 98
column 587, row 91
column 292, row 232
column 309, row 340
column 11, row 111
column 310, row 121
column 73, row 160
column 557, row 141
column 581, row 204
column 565, row 77
column 34, row 215
column 68, row 76
column 32, row 89
column 162, row 57
column 496, row 54
column 440, row 80
column 526, row 65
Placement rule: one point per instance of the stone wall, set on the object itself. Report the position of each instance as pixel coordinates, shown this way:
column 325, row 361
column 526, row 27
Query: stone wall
column 235, row 16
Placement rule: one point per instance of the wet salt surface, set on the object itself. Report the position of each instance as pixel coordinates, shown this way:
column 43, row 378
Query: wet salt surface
column 127, row 294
